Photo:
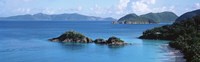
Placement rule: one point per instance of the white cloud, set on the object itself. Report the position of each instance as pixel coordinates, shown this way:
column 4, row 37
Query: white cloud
column 79, row 8
column 152, row 1
column 162, row 9
column 119, row 9
column 148, row 1
column 101, row 11
column 122, row 6
column 145, row 6
column 129, row 6
column 49, row 11
column 140, row 7
column 23, row 10
column 61, row 10
column 197, row 6
column 97, row 9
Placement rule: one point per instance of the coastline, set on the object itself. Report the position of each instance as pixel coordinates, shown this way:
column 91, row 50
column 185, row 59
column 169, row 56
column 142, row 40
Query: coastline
column 172, row 54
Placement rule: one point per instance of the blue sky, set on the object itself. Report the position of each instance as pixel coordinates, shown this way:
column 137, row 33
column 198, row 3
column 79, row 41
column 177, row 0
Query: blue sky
column 101, row 8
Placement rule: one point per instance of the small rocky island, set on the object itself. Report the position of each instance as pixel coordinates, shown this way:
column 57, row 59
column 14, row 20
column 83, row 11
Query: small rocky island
column 72, row 36
column 111, row 41
column 75, row 37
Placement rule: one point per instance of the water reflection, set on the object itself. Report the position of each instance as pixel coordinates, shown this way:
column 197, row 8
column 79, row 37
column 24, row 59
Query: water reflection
column 82, row 46
column 116, row 46
column 172, row 54
column 73, row 46
column 168, row 54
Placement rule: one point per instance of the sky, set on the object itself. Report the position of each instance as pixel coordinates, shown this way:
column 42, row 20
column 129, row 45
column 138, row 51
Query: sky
column 100, row 8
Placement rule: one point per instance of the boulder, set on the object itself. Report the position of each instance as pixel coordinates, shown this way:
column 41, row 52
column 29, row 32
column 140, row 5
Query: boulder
column 111, row 41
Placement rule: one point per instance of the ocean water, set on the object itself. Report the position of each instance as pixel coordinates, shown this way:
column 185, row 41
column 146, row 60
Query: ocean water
column 27, row 41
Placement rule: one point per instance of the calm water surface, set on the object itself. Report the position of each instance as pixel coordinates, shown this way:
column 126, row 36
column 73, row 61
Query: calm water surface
column 27, row 42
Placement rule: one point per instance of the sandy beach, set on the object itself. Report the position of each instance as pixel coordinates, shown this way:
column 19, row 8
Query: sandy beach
column 172, row 54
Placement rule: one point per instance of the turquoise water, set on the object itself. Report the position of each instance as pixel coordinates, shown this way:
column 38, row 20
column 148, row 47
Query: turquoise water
column 26, row 41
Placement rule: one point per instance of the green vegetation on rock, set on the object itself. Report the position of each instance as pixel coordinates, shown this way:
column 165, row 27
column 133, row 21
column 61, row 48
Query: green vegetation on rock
column 134, row 19
column 163, row 17
column 75, row 37
column 111, row 41
column 72, row 36
column 184, row 35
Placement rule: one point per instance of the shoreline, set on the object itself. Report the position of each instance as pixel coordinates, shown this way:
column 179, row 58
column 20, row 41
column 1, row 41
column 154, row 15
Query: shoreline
column 173, row 55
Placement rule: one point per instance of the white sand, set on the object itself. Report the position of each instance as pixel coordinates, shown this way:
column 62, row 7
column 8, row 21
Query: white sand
column 171, row 55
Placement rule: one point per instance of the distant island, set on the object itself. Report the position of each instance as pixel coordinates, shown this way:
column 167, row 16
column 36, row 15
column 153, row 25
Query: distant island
column 55, row 17
column 184, row 35
column 150, row 18
column 75, row 37
column 134, row 19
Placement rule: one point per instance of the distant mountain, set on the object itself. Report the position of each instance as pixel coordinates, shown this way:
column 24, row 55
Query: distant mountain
column 134, row 19
column 55, row 17
column 163, row 17
column 188, row 15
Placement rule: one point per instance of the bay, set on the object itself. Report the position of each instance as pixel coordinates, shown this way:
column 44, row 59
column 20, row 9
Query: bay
column 27, row 41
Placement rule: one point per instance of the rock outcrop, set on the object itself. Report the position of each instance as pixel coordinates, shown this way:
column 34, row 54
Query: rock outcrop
column 75, row 37
column 72, row 36
column 111, row 41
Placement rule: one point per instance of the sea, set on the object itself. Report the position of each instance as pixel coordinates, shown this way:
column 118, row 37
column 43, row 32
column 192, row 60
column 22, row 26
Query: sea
column 27, row 41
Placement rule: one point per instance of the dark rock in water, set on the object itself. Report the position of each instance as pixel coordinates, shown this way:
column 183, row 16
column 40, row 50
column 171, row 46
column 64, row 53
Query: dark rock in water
column 115, row 22
column 75, row 37
column 111, row 41
column 72, row 36
column 115, row 40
